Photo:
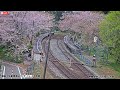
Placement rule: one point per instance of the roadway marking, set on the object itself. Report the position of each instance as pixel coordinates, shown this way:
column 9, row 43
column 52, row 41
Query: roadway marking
column 3, row 72
column 12, row 73
column 19, row 72
column 24, row 72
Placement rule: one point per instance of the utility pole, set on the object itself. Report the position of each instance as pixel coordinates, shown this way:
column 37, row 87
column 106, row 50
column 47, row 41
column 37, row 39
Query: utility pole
column 47, row 56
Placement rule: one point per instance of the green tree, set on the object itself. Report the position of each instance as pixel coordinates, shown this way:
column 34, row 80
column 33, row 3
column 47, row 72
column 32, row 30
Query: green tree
column 57, row 18
column 57, row 14
column 110, row 33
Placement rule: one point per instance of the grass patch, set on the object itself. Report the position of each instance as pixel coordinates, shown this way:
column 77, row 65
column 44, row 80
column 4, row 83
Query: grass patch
column 39, row 70
column 112, row 64
column 115, row 66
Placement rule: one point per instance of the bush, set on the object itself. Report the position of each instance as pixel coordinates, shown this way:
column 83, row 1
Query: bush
column 37, row 34
column 30, row 46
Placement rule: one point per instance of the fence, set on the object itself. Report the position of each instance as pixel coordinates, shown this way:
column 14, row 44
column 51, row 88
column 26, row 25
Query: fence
column 30, row 68
column 100, row 52
column 87, row 61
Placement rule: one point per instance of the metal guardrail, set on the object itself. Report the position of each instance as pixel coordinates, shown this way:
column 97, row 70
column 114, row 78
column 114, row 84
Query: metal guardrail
column 37, row 47
column 70, row 45
column 87, row 61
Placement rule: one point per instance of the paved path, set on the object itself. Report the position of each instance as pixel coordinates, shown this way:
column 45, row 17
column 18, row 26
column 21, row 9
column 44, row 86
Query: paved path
column 56, row 51
column 10, row 71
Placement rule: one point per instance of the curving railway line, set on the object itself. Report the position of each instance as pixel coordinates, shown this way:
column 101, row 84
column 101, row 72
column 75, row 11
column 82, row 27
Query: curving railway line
column 64, row 70
column 81, row 70
column 78, row 72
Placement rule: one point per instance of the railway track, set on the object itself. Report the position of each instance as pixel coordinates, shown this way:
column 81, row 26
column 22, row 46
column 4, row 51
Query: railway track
column 63, row 69
column 68, row 73
column 81, row 70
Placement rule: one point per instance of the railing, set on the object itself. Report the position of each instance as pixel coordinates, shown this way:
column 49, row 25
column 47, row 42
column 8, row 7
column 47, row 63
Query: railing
column 87, row 61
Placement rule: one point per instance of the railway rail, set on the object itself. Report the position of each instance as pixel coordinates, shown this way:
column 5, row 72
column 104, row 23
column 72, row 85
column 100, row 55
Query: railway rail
column 63, row 69
column 82, row 71
column 78, row 72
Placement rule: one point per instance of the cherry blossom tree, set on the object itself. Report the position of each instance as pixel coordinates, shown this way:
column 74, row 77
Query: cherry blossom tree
column 85, row 22
column 6, row 27
column 31, row 22
column 36, row 21
column 23, row 25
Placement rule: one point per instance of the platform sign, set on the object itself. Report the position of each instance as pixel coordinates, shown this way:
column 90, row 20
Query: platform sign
column 4, row 13
column 95, row 39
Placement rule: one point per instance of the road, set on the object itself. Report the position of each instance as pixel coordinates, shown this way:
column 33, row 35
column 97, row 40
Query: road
column 11, row 72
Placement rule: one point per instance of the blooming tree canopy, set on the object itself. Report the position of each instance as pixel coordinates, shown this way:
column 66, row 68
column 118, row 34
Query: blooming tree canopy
column 19, row 25
column 85, row 21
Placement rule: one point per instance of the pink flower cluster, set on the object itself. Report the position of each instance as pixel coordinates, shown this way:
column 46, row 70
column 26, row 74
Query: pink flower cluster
column 24, row 23
column 80, row 21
